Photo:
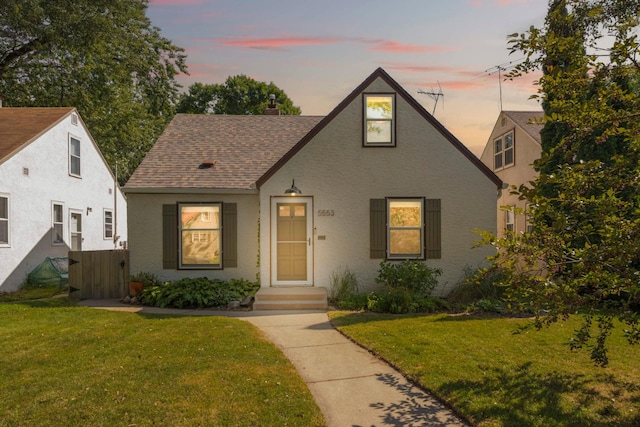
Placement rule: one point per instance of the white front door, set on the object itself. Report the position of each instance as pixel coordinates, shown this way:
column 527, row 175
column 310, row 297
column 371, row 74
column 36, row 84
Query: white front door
column 292, row 241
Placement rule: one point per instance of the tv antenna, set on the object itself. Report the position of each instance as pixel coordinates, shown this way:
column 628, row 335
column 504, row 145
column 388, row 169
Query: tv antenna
column 435, row 96
column 500, row 68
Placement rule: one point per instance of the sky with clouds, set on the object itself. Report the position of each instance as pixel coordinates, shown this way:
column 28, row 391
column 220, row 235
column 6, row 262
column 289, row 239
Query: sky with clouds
column 319, row 51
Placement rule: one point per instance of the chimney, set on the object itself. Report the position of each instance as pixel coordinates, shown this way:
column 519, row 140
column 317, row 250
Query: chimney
column 272, row 109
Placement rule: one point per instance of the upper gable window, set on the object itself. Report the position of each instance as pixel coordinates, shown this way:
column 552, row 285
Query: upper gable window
column 379, row 120
column 503, row 148
column 74, row 156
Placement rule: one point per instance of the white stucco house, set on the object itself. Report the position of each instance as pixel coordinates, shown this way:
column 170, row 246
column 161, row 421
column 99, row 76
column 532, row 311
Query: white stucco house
column 512, row 147
column 57, row 192
column 293, row 199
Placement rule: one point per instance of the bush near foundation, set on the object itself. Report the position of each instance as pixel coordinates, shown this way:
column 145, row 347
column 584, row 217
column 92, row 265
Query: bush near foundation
column 197, row 293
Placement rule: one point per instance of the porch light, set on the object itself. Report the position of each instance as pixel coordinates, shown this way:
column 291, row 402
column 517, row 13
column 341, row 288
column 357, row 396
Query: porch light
column 293, row 190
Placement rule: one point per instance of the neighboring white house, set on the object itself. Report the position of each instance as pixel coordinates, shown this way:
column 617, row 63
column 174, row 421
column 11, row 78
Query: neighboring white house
column 378, row 178
column 57, row 192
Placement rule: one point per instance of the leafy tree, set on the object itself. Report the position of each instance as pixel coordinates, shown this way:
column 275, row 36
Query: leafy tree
column 239, row 94
column 583, row 253
column 101, row 56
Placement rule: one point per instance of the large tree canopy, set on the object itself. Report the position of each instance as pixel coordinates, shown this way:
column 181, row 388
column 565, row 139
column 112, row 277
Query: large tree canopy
column 101, row 56
column 583, row 253
column 237, row 95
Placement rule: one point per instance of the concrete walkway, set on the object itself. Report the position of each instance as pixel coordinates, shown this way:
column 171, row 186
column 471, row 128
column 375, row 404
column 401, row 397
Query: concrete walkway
column 349, row 384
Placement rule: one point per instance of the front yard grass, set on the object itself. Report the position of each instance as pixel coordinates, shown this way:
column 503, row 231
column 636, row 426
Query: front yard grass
column 66, row 365
column 499, row 372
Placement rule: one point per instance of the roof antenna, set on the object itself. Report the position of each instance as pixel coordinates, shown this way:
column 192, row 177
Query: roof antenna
column 435, row 96
column 500, row 68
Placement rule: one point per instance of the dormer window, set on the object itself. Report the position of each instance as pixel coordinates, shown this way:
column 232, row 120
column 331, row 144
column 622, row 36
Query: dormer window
column 379, row 123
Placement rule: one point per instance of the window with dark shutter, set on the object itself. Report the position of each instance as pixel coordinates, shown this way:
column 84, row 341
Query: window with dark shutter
column 380, row 229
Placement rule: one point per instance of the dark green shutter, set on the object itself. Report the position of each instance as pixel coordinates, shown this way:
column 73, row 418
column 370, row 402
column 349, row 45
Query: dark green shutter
column 229, row 235
column 433, row 233
column 378, row 228
column 169, row 237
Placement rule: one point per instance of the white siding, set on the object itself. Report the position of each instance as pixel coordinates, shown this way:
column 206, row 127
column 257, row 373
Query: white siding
column 31, row 196
column 342, row 176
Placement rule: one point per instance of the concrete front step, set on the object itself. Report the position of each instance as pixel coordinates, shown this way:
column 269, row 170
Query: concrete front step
column 291, row 298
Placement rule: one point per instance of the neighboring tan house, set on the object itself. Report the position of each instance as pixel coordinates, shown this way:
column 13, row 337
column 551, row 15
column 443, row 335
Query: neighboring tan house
column 295, row 199
column 57, row 192
column 510, row 152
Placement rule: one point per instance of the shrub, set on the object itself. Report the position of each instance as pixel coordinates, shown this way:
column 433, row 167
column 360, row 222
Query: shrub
column 407, row 288
column 197, row 293
column 411, row 275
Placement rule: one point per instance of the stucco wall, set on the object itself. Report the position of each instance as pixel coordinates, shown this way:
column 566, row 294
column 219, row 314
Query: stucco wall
column 342, row 176
column 48, row 180
column 527, row 150
column 145, row 235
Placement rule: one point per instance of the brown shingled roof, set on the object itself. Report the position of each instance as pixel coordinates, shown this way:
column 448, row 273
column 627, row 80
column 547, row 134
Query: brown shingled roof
column 242, row 147
column 20, row 126
column 528, row 121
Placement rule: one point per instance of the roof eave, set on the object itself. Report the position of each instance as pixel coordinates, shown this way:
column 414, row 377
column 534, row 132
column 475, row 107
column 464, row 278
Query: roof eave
column 180, row 190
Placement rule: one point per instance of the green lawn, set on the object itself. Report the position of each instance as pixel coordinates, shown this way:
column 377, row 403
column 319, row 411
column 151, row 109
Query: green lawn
column 66, row 365
column 498, row 372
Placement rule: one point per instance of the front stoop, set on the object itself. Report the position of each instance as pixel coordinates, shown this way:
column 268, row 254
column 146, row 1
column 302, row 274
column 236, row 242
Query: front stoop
column 291, row 298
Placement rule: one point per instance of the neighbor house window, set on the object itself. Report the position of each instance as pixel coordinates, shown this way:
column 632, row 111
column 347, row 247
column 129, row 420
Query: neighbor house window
column 405, row 229
column 57, row 223
column 528, row 218
column 4, row 220
column 200, row 237
column 379, row 126
column 74, row 156
column 503, row 151
column 509, row 219
column 108, row 224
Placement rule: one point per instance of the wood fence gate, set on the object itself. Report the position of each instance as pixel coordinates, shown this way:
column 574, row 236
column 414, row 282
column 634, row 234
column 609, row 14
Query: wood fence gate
column 99, row 274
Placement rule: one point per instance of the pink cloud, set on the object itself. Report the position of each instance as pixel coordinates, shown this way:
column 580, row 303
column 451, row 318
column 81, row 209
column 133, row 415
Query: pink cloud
column 278, row 43
column 420, row 68
column 397, row 47
column 463, row 85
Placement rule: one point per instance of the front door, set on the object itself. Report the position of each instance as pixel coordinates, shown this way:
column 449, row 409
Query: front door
column 292, row 241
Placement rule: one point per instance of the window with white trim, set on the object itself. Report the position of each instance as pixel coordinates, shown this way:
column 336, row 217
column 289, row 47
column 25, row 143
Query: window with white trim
column 74, row 156
column 405, row 229
column 200, row 238
column 379, row 125
column 509, row 219
column 57, row 224
column 528, row 212
column 108, row 224
column 503, row 151
column 4, row 220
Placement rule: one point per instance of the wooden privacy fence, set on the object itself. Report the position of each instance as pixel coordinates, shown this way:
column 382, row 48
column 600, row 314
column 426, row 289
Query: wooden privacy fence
column 98, row 274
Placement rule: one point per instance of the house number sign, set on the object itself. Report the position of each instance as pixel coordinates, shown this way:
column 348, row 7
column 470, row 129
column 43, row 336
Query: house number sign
column 325, row 212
